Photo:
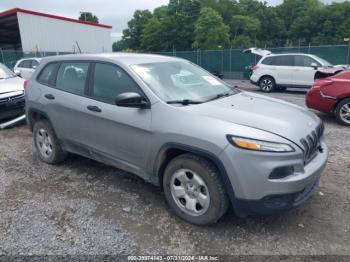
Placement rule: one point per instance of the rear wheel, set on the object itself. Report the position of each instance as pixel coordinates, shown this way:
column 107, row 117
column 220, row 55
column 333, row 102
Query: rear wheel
column 267, row 84
column 194, row 191
column 342, row 112
column 47, row 144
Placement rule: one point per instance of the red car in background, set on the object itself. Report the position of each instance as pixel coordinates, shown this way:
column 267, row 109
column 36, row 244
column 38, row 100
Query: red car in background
column 331, row 94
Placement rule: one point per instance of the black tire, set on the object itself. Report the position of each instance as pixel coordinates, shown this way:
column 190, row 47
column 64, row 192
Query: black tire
column 267, row 84
column 218, row 201
column 57, row 154
column 340, row 109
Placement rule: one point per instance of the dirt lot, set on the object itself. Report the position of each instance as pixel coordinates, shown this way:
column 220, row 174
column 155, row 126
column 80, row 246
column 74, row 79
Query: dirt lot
column 83, row 207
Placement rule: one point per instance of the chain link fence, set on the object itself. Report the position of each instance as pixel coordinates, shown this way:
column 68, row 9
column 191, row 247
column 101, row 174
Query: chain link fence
column 232, row 63
column 10, row 57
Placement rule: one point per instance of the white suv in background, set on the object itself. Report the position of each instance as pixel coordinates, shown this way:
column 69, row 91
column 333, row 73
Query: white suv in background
column 280, row 71
column 26, row 67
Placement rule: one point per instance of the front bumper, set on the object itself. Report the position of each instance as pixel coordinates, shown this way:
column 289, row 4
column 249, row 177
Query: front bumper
column 256, row 193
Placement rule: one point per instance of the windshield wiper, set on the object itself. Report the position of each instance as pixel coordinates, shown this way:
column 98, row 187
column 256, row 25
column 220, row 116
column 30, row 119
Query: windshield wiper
column 184, row 102
column 218, row 96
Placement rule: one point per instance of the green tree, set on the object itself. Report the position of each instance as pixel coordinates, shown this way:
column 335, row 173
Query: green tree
column 119, row 46
column 210, row 30
column 291, row 11
column 226, row 8
column 179, row 23
column 245, row 25
column 132, row 35
column 273, row 30
column 153, row 37
column 89, row 17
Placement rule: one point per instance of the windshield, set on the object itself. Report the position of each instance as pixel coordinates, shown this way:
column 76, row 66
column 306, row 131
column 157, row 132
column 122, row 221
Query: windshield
column 176, row 81
column 5, row 72
column 323, row 62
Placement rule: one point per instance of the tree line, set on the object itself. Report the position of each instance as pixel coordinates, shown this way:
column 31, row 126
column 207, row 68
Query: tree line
column 214, row 24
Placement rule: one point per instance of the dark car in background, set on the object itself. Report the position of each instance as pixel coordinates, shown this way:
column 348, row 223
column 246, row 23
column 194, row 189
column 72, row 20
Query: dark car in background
column 331, row 94
column 11, row 94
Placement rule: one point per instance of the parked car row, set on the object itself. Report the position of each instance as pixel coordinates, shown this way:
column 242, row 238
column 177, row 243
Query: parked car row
column 330, row 85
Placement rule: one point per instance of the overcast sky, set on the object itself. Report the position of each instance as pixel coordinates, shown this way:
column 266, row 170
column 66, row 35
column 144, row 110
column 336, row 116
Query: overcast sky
column 112, row 12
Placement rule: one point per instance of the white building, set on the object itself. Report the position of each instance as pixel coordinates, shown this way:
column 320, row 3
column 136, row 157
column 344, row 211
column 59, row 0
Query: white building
column 30, row 31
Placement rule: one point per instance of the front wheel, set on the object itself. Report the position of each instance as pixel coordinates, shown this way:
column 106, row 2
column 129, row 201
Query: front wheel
column 194, row 190
column 267, row 84
column 342, row 112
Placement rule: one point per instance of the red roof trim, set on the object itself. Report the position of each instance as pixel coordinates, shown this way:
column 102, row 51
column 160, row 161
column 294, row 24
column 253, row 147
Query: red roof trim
column 16, row 10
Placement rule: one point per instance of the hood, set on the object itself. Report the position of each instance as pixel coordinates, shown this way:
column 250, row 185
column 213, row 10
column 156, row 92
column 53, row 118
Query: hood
column 272, row 115
column 11, row 85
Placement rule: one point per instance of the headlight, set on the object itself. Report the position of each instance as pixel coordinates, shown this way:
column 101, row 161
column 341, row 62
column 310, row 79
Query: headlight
column 259, row 145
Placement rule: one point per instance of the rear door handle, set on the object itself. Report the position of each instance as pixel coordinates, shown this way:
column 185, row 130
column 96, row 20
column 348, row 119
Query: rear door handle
column 94, row 109
column 50, row 96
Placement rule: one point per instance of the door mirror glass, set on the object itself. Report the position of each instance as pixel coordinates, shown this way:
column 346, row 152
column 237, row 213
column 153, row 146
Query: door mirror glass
column 17, row 73
column 314, row 65
column 131, row 99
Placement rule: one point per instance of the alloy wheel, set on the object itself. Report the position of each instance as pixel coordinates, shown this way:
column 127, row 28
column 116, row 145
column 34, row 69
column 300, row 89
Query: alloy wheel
column 266, row 85
column 344, row 113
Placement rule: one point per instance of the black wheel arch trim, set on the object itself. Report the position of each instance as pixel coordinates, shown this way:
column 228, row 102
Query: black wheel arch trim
column 161, row 156
column 30, row 111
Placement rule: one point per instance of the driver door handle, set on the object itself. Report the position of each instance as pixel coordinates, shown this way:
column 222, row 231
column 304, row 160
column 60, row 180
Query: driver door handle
column 94, row 109
column 50, row 96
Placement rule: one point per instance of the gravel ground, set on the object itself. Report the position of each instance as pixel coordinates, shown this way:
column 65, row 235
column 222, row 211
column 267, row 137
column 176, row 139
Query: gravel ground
column 84, row 207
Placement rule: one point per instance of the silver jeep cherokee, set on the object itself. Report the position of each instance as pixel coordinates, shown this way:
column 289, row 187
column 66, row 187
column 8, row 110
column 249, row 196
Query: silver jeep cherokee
column 176, row 125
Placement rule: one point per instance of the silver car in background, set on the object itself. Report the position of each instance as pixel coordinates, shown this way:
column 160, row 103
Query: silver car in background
column 11, row 94
column 26, row 67
column 177, row 126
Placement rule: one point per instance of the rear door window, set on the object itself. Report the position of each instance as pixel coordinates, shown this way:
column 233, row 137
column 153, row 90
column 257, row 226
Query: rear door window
column 283, row 60
column 109, row 81
column 71, row 77
column 34, row 63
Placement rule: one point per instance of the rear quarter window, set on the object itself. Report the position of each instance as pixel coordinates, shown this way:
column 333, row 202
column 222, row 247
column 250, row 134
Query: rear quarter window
column 267, row 61
column 48, row 74
column 25, row 64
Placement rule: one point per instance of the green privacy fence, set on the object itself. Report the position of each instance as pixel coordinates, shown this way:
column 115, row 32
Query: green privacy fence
column 233, row 63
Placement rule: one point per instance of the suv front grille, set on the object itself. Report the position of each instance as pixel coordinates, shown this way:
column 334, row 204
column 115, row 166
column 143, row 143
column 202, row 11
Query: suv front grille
column 311, row 143
column 11, row 99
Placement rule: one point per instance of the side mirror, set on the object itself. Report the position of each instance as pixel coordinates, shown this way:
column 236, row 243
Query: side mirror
column 17, row 73
column 131, row 99
column 314, row 66
column 34, row 67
